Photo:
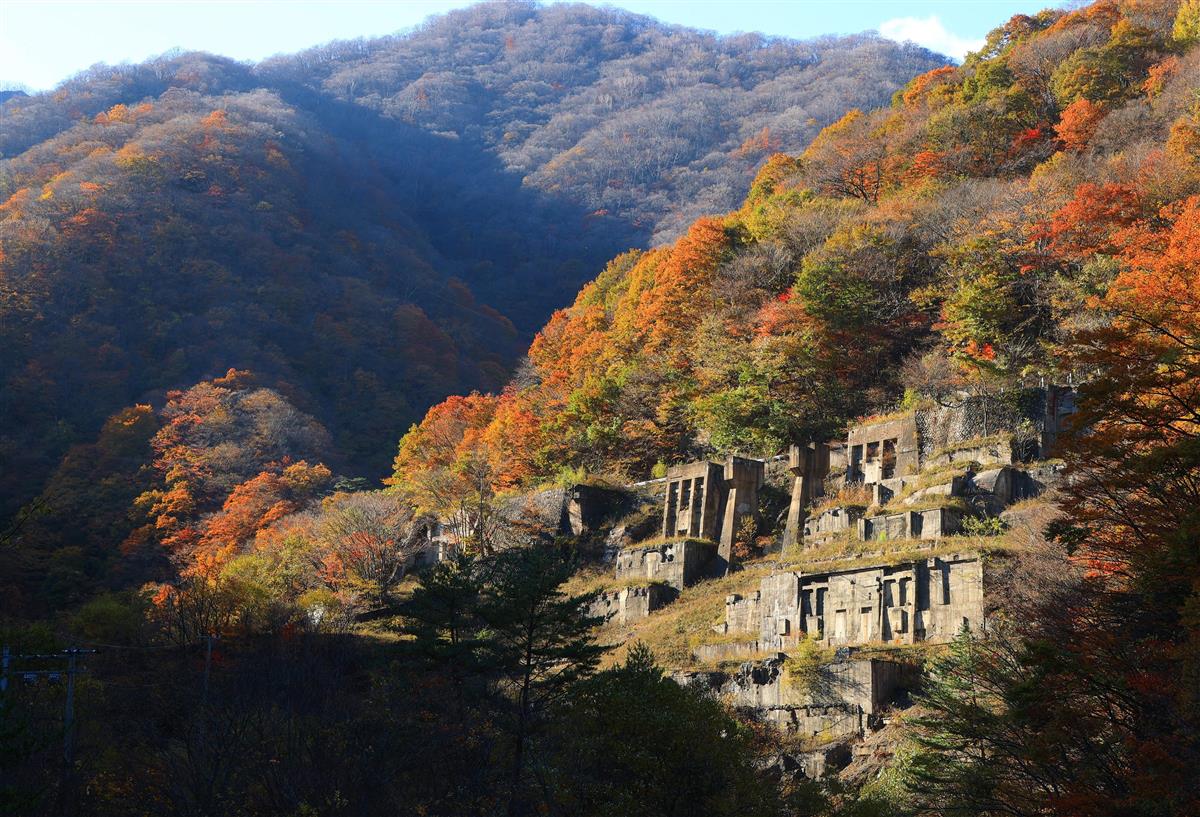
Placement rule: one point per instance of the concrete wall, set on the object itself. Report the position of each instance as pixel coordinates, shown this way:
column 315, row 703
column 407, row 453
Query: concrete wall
column 838, row 702
column 742, row 479
column 809, row 466
column 679, row 564
column 631, row 604
column 726, row 651
column 1033, row 417
column 955, row 599
column 931, row 524
column 707, row 500
column 878, row 451
column 694, row 501
column 906, row 603
column 589, row 507
column 831, row 521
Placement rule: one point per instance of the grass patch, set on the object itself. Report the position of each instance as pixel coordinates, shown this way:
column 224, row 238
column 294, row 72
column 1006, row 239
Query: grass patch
column 933, row 476
column 974, row 442
column 889, row 552
column 928, row 503
column 886, row 417
column 802, row 667
column 658, row 541
column 599, row 579
column 673, row 632
column 848, row 496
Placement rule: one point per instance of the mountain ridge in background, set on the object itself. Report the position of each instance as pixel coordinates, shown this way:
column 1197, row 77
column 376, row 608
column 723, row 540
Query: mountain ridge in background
column 370, row 225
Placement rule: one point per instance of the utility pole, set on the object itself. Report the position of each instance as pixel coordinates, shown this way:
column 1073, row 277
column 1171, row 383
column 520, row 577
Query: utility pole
column 208, row 641
column 69, row 710
column 66, row 801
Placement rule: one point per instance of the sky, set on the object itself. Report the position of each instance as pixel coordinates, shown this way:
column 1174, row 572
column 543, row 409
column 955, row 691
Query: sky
column 43, row 42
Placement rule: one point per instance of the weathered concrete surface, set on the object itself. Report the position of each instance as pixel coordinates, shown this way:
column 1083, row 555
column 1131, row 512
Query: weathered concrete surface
column 930, row 524
column 694, row 501
column 839, row 700
column 742, row 479
column 631, row 604
column 921, row 600
column 809, row 466
column 726, row 651
column 707, row 500
column 831, row 521
column 679, row 564
column 879, row 451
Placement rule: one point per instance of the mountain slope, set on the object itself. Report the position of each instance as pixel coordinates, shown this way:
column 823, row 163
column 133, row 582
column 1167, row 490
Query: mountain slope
column 954, row 240
column 616, row 111
column 165, row 222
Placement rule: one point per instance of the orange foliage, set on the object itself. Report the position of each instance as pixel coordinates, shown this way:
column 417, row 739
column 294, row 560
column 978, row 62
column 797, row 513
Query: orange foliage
column 1078, row 123
column 447, row 428
column 1086, row 224
column 918, row 89
column 217, row 119
column 1161, row 284
column 1149, row 399
column 678, row 299
column 117, row 113
column 759, row 143
column 926, row 164
column 253, row 506
column 16, row 202
column 1158, row 74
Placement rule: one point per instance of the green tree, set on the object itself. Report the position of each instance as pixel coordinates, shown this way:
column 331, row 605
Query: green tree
column 631, row 741
column 442, row 617
column 538, row 644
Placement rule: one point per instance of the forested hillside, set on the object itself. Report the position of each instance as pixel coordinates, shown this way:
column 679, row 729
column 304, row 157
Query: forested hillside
column 960, row 238
column 363, row 224
column 278, row 637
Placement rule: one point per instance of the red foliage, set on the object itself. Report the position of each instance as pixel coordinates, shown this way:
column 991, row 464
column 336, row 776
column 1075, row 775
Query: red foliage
column 1078, row 123
column 1087, row 224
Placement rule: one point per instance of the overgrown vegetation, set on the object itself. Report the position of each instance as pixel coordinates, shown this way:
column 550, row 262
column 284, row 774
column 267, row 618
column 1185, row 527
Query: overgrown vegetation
column 370, row 225
column 1032, row 215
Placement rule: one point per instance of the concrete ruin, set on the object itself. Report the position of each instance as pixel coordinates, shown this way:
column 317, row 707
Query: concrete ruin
column 680, row 563
column 833, row 704
column 926, row 600
column 882, row 451
column 916, row 477
column 707, row 500
column 989, row 436
column 630, row 604
column 808, row 465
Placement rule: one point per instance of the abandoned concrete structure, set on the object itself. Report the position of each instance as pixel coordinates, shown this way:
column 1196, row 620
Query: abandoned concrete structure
column 680, row 563
column 927, row 600
column 710, row 501
column 840, row 702
column 882, row 451
column 809, row 465
column 692, row 506
column 915, row 477
column 632, row 603
column 890, row 459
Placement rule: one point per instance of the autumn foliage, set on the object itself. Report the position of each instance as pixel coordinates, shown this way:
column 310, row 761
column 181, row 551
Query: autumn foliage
column 970, row 226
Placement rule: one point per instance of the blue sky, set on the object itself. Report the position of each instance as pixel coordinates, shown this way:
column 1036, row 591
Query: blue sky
column 43, row 42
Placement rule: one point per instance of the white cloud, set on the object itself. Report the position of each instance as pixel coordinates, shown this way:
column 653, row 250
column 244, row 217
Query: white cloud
column 929, row 32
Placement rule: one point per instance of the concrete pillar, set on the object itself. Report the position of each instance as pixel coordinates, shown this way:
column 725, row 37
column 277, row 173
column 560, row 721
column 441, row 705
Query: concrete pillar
column 809, row 465
column 743, row 478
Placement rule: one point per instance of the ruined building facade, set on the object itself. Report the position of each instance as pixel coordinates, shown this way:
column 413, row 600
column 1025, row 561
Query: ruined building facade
column 707, row 500
column 929, row 599
column 987, row 438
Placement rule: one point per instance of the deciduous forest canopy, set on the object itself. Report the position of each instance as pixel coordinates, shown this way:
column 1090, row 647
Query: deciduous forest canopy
column 228, row 291
column 370, row 225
